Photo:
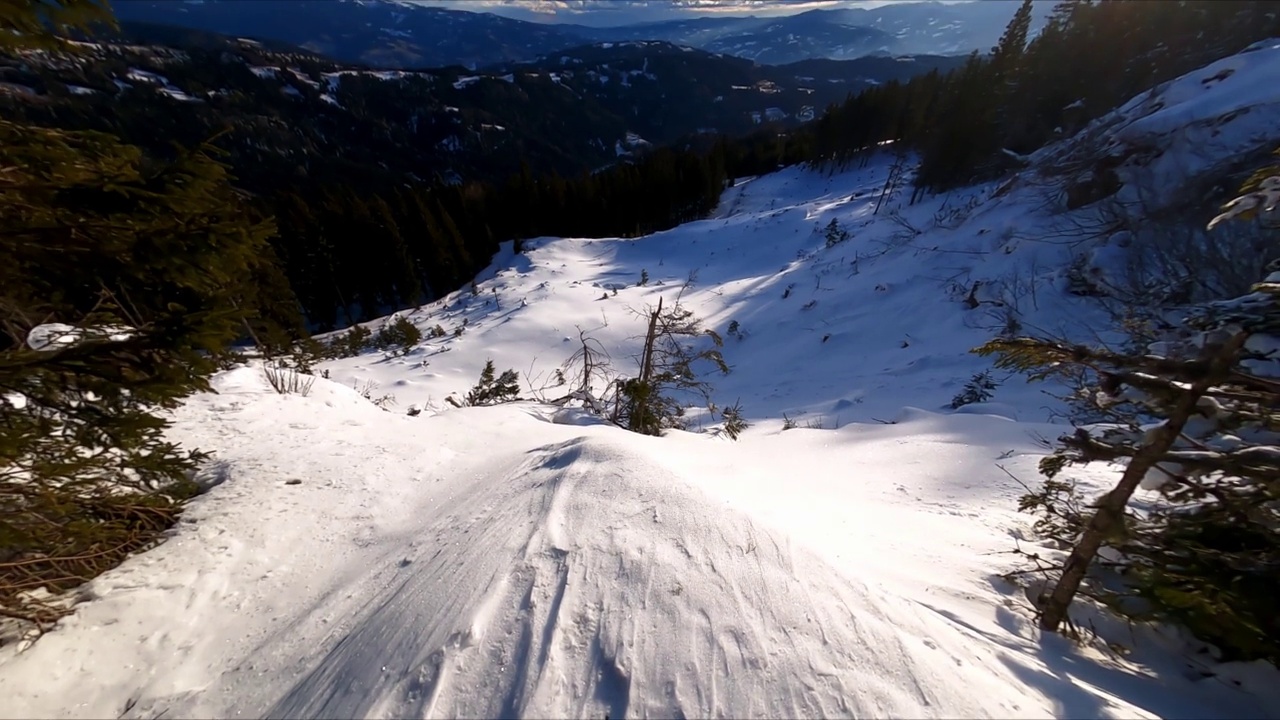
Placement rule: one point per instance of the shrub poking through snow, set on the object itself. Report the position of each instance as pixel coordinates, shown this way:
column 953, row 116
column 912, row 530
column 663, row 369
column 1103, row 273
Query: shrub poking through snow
column 835, row 234
column 350, row 343
column 493, row 388
column 436, row 332
column 367, row 392
column 644, row 278
column 734, row 423
column 399, row 335
column 978, row 389
column 288, row 381
column 655, row 399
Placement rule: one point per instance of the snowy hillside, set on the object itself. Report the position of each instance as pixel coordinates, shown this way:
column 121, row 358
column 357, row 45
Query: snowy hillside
column 522, row 560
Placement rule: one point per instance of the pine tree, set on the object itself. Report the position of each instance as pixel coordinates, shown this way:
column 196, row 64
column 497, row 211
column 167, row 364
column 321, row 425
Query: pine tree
column 138, row 265
column 123, row 280
column 1006, row 55
column 1206, row 555
column 668, row 372
column 493, row 388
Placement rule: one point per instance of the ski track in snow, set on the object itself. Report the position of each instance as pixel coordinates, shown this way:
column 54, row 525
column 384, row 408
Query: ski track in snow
column 518, row 562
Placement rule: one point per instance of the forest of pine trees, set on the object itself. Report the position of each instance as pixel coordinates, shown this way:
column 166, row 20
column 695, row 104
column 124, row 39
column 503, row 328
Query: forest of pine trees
column 352, row 253
column 1089, row 58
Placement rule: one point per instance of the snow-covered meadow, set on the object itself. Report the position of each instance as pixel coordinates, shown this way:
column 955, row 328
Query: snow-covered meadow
column 518, row 560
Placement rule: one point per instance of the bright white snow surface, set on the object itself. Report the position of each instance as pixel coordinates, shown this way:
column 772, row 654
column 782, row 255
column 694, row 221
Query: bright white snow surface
column 522, row 560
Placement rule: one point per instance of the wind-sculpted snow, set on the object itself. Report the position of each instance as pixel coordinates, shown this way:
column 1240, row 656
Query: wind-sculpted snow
column 592, row 582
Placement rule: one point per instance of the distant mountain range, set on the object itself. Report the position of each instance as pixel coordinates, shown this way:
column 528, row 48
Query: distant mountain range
column 291, row 112
column 404, row 34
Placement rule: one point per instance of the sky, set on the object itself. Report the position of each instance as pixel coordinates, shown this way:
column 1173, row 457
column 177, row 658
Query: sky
column 621, row 12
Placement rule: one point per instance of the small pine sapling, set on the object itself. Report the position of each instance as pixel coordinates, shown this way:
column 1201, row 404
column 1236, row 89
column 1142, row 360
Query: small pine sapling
column 493, row 388
column 835, row 234
column 734, row 423
column 978, row 389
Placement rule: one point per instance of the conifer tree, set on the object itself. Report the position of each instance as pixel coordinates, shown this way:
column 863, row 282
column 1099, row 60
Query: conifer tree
column 1205, row 555
column 493, row 388
column 123, row 280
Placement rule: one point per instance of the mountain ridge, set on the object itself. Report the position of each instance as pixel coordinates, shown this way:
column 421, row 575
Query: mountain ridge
column 390, row 34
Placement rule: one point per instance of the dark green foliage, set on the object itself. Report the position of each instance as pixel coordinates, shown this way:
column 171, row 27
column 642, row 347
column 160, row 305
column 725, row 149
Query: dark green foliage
column 399, row 334
column 734, row 423
column 493, row 389
column 26, row 24
column 149, row 264
column 143, row 268
column 644, row 278
column 350, row 343
column 835, row 234
column 670, row 371
column 1206, row 551
column 1087, row 60
column 977, row 389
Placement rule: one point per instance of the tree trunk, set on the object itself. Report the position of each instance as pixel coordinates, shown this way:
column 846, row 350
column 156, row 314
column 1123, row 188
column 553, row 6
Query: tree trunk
column 262, row 349
column 640, row 407
column 1110, row 508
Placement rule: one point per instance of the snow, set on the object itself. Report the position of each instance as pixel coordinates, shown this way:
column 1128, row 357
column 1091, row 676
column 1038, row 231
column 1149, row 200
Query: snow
column 146, row 77
column 53, row 336
column 466, row 80
column 1191, row 125
column 165, row 87
column 528, row 560
column 177, row 94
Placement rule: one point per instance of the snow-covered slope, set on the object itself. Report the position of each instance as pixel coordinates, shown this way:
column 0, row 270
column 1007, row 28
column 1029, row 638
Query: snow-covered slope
column 488, row 562
column 525, row 561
